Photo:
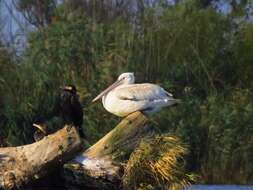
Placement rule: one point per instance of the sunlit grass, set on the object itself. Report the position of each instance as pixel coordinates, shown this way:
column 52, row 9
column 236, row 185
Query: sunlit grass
column 157, row 163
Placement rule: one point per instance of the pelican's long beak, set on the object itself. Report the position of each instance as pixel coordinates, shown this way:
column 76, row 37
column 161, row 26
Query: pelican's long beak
column 114, row 85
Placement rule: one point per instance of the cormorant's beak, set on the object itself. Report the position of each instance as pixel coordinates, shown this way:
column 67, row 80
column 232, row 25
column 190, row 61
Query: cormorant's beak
column 66, row 88
column 111, row 87
column 40, row 128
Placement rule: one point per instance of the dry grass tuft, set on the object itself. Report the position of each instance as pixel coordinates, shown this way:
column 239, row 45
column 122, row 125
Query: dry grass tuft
column 157, row 164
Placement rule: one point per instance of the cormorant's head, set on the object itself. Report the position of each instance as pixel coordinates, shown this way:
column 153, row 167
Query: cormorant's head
column 70, row 88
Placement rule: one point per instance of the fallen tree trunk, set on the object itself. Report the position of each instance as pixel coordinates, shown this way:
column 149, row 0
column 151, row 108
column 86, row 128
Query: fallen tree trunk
column 23, row 164
column 101, row 166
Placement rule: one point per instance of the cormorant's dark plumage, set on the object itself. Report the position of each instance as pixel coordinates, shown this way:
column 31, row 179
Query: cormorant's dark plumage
column 67, row 110
column 70, row 109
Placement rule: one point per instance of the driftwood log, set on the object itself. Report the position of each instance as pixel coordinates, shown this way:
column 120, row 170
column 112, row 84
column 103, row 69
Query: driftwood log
column 23, row 164
column 102, row 164
column 99, row 167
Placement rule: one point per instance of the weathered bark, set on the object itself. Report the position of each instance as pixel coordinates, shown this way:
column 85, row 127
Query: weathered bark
column 23, row 164
column 102, row 166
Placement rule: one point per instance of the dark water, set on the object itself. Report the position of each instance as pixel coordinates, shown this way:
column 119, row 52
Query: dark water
column 221, row 187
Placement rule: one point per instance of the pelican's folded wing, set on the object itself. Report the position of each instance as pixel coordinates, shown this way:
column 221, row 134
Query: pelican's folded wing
column 142, row 92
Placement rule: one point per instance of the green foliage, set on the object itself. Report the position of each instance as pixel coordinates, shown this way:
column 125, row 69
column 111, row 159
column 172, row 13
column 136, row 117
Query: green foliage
column 67, row 52
column 243, row 51
column 189, row 47
column 37, row 13
column 219, row 134
column 229, row 126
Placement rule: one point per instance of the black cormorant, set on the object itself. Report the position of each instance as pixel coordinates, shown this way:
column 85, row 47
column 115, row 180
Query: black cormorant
column 68, row 108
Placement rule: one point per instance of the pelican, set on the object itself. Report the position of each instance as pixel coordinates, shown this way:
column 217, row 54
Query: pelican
column 124, row 97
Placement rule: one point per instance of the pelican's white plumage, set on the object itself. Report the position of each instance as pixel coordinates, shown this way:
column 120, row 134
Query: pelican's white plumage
column 124, row 97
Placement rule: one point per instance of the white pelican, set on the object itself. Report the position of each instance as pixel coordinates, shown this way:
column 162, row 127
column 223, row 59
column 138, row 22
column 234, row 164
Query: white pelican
column 124, row 97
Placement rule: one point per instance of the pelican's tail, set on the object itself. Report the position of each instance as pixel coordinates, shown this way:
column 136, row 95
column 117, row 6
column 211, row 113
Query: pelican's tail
column 172, row 101
column 178, row 101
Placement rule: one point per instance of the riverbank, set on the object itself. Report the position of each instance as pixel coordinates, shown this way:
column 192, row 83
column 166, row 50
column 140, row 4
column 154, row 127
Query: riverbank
column 221, row 187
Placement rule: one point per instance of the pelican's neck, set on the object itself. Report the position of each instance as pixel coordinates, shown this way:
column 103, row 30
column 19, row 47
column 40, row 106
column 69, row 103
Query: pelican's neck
column 127, row 82
column 106, row 95
column 103, row 99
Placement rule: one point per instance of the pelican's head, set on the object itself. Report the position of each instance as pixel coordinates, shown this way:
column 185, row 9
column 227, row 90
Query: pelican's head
column 124, row 78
